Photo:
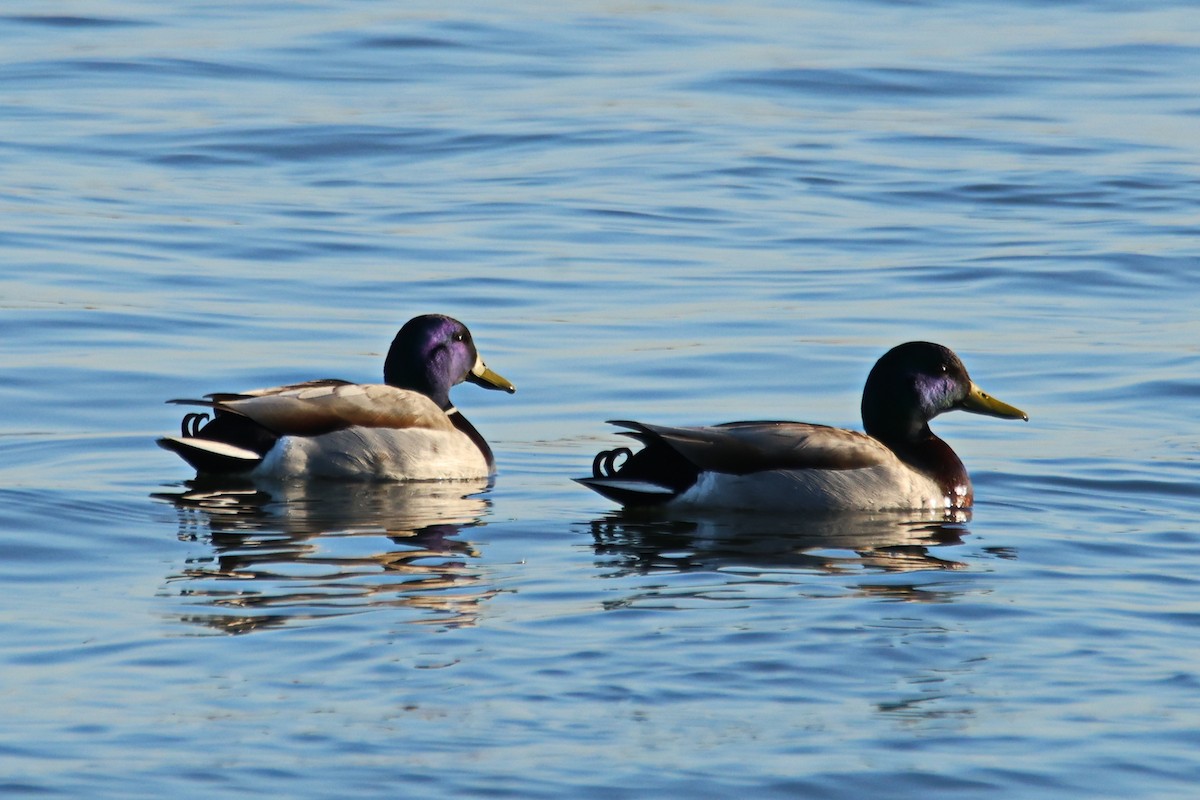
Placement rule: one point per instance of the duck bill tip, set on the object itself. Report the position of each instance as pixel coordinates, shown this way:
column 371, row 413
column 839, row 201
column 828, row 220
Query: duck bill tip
column 480, row 375
column 980, row 402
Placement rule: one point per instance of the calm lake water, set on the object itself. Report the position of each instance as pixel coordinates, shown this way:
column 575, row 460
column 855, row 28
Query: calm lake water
column 678, row 212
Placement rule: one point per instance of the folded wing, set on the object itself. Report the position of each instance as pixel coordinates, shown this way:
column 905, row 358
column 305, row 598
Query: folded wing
column 740, row 448
column 320, row 407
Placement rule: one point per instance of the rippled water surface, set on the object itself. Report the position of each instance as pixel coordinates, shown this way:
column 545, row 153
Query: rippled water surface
column 676, row 212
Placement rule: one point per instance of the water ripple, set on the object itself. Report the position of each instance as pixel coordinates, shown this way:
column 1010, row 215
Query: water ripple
column 899, row 84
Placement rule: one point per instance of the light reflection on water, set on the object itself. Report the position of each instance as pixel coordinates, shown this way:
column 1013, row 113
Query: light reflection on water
column 298, row 552
column 754, row 544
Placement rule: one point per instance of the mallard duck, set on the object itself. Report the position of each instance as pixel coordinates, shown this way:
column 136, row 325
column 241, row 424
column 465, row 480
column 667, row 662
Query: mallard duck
column 897, row 464
column 403, row 429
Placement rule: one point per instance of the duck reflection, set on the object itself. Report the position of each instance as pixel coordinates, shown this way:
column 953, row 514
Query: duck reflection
column 298, row 552
column 833, row 544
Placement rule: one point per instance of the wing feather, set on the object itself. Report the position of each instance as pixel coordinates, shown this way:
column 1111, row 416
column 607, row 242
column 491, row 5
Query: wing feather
column 739, row 448
column 317, row 408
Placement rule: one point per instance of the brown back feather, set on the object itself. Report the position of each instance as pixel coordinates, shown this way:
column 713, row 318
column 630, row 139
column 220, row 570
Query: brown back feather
column 323, row 407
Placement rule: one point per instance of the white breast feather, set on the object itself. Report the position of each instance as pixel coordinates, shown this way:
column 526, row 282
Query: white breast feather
column 386, row 454
column 879, row 488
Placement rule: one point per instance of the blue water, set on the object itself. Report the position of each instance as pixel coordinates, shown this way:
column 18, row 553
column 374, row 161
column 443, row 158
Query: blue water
column 681, row 213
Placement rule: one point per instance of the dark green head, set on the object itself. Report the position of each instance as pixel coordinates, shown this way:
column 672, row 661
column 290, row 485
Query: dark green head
column 914, row 382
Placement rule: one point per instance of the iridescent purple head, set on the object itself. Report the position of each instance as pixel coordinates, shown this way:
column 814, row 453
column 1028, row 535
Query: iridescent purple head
column 432, row 353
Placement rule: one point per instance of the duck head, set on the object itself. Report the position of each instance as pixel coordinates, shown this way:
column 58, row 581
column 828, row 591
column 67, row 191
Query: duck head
column 432, row 353
column 914, row 382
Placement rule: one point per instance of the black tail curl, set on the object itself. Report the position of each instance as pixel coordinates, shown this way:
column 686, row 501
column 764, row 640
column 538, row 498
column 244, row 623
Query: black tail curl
column 604, row 465
column 193, row 422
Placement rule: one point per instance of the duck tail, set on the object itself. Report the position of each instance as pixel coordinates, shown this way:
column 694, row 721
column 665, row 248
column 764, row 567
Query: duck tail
column 223, row 444
column 608, row 481
column 211, row 456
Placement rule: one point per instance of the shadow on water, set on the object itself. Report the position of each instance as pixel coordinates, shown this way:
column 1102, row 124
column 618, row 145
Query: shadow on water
column 843, row 544
column 294, row 553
